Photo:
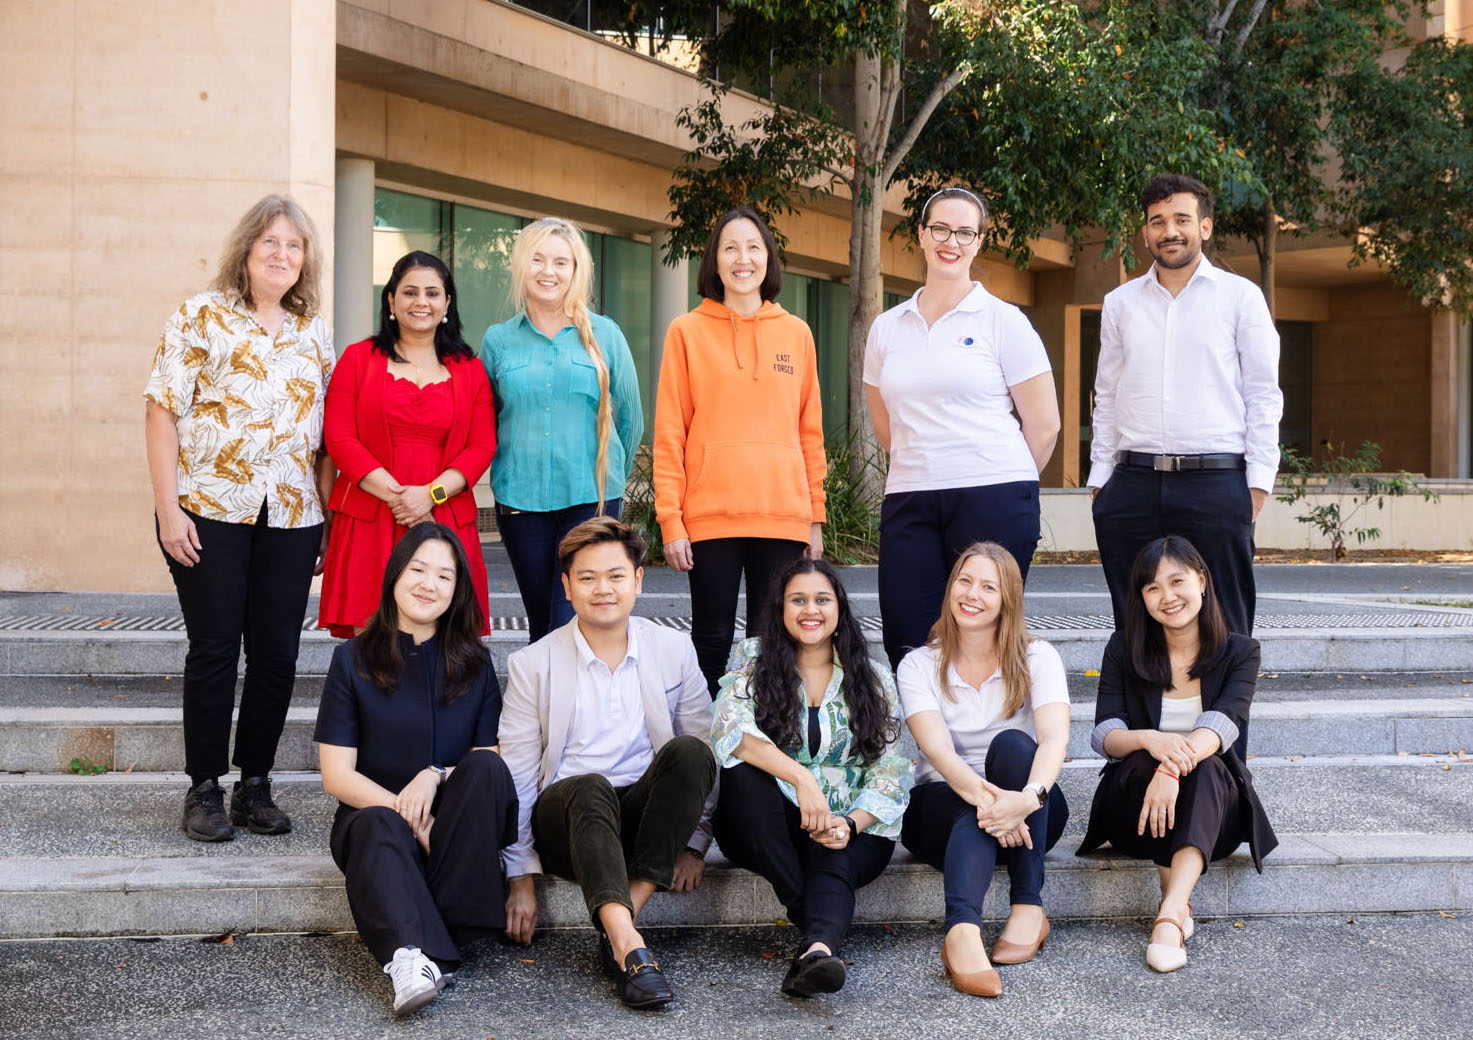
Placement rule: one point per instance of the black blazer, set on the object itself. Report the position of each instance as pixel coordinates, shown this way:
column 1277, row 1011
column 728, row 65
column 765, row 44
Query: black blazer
column 1227, row 687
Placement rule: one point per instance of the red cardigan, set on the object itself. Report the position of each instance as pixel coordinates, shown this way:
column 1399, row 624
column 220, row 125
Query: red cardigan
column 356, row 431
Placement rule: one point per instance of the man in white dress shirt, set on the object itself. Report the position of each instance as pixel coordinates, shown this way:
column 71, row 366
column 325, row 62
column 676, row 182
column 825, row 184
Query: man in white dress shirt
column 1187, row 405
column 606, row 728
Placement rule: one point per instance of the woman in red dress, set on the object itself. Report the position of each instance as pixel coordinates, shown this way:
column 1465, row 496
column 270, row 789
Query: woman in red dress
column 409, row 424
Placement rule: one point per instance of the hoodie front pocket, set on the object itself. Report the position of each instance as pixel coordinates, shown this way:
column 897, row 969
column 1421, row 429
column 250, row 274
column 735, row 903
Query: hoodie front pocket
column 741, row 478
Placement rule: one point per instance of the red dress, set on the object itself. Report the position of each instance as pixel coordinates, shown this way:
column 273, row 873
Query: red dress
column 418, row 421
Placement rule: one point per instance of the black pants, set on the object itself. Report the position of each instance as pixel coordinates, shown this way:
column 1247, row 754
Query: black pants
column 761, row 831
column 401, row 897
column 1207, row 810
column 603, row 837
column 941, row 829
column 531, row 540
column 921, row 535
column 251, row 582
column 1211, row 508
column 714, row 583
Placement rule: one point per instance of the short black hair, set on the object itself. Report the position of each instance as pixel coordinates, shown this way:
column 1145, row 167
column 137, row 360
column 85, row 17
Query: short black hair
column 598, row 530
column 1164, row 185
column 708, row 279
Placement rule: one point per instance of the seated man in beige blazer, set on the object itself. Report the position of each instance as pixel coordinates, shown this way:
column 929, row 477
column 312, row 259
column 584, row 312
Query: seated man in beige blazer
column 606, row 727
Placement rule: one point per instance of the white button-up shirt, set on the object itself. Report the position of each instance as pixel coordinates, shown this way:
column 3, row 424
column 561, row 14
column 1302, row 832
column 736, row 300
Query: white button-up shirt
column 1188, row 375
column 607, row 733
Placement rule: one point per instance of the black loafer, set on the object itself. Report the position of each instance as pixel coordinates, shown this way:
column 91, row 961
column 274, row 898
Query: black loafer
column 817, row 972
column 641, row 984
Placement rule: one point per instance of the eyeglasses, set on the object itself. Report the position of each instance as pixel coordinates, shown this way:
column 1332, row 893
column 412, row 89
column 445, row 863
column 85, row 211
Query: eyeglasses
column 942, row 234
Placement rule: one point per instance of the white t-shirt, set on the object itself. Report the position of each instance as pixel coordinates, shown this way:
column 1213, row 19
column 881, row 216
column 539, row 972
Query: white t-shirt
column 975, row 716
column 946, row 389
column 1180, row 714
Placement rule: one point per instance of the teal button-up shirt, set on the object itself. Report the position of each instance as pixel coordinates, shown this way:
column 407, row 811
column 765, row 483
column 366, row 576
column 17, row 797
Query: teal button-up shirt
column 546, row 393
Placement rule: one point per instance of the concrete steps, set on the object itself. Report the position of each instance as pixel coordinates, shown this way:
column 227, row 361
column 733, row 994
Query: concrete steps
column 48, row 739
column 145, row 652
column 101, row 856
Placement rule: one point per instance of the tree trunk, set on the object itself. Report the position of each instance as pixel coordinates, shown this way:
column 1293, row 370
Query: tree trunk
column 866, row 286
column 1268, row 254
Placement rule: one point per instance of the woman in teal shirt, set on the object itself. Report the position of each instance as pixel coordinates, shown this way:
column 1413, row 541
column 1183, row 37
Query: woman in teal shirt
column 568, row 414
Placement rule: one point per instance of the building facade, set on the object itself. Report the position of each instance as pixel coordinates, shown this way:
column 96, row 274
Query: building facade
column 135, row 134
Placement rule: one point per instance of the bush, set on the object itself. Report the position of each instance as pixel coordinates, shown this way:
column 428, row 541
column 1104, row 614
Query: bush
column 851, row 535
column 1333, row 471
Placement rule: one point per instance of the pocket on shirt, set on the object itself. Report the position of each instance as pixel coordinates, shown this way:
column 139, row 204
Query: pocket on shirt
column 752, row 478
column 583, row 378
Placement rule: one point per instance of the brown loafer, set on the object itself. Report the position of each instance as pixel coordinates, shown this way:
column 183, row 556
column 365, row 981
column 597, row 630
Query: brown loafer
column 1004, row 952
column 986, row 983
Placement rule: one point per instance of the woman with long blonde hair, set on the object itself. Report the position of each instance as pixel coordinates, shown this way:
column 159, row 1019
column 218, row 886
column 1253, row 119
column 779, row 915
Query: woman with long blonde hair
column 989, row 708
column 568, row 413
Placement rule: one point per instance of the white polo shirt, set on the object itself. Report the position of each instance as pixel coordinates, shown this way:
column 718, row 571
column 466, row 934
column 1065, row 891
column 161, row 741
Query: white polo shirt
column 975, row 716
column 946, row 389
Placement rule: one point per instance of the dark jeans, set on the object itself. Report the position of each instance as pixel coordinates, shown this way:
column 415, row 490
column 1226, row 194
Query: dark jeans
column 1211, row 508
column 531, row 541
column 761, row 831
column 941, row 829
column 251, row 583
column 401, row 897
column 1207, row 808
column 587, row 830
column 715, row 580
column 921, row 535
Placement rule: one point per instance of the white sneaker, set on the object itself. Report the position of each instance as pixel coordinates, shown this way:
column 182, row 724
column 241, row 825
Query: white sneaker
column 417, row 980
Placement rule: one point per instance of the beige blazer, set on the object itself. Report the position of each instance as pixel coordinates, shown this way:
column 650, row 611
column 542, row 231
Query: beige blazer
column 542, row 681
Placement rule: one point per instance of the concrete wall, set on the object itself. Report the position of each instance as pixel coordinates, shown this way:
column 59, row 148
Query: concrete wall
column 1372, row 376
column 134, row 137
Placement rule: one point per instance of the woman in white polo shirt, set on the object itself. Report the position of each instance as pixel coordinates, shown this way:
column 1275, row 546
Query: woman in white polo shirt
column 943, row 373
column 989, row 708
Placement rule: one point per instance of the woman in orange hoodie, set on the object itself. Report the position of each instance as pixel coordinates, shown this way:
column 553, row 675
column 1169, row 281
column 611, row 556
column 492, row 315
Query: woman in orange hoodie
column 738, row 447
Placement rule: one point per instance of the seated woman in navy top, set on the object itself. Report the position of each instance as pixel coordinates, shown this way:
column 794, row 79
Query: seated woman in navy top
column 406, row 733
column 1172, row 716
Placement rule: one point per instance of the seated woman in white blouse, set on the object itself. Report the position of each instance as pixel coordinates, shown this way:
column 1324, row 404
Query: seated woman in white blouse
column 989, row 708
column 1172, row 715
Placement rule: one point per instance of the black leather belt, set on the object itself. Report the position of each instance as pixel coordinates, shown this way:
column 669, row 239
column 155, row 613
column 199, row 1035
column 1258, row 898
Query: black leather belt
column 1177, row 463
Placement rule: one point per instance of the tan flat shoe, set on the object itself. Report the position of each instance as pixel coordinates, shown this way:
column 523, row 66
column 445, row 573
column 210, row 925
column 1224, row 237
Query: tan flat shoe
column 986, row 983
column 1163, row 958
column 1005, row 952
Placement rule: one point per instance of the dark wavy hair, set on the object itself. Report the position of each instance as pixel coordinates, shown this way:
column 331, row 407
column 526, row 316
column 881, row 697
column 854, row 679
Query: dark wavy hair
column 376, row 652
column 449, row 339
column 777, row 692
column 1145, row 641
column 1164, row 185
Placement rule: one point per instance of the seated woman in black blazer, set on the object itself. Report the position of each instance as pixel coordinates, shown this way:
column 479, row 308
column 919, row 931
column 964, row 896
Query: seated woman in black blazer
column 1172, row 716
column 405, row 736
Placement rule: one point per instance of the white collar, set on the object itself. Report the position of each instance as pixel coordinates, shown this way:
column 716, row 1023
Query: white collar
column 1204, row 270
column 976, row 300
column 586, row 656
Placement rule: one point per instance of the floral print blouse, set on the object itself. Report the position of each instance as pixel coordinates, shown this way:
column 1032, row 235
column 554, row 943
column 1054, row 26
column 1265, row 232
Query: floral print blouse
column 249, row 409
column 881, row 788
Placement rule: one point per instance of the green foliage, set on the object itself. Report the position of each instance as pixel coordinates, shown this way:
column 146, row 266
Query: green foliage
column 82, row 765
column 1405, row 141
column 851, row 535
column 773, row 163
column 1334, row 472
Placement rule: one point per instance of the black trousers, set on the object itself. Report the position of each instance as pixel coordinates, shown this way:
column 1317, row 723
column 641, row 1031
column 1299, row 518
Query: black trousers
column 251, row 583
column 715, row 581
column 531, row 540
column 761, row 831
column 1207, row 810
column 456, row 894
column 1211, row 508
column 941, row 829
column 587, row 830
column 921, row 535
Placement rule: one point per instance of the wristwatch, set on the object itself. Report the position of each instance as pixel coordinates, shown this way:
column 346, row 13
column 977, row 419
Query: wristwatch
column 441, row 772
column 1041, row 791
column 437, row 494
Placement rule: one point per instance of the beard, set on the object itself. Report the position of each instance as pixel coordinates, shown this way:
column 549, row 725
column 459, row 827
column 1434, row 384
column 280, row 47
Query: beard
column 1186, row 257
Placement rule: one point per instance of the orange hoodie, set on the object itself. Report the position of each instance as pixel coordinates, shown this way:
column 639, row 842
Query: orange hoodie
column 738, row 446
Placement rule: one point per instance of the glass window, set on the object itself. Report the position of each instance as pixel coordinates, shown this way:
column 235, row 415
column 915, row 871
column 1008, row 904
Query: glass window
column 402, row 223
column 624, row 277
column 830, row 322
column 1296, row 380
column 483, row 241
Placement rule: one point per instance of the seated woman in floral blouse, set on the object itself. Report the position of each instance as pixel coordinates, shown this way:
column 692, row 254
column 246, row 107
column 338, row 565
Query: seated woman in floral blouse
column 812, row 786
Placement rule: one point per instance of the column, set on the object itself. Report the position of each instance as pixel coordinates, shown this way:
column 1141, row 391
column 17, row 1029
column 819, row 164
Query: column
column 354, row 307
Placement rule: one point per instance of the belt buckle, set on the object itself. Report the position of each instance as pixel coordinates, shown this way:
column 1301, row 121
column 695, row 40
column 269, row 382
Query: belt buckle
column 1167, row 463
